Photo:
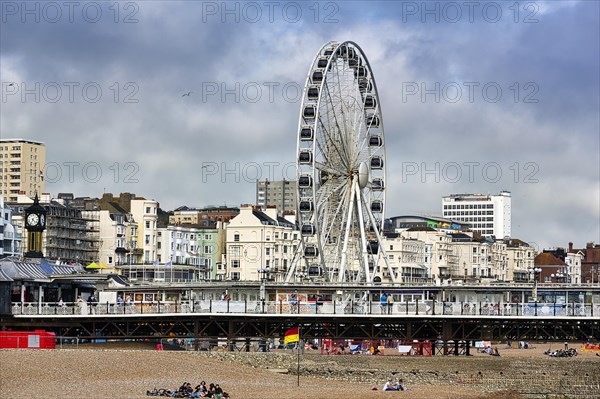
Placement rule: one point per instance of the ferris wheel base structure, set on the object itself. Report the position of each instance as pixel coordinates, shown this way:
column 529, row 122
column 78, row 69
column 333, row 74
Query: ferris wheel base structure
column 341, row 171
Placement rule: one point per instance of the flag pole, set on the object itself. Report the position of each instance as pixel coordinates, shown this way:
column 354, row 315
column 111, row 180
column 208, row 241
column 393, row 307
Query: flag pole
column 299, row 342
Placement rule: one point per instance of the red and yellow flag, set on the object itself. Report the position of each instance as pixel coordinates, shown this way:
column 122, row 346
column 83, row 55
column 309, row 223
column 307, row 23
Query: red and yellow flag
column 291, row 335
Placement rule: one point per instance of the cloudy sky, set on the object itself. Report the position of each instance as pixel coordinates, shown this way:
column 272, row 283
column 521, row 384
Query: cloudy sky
column 476, row 98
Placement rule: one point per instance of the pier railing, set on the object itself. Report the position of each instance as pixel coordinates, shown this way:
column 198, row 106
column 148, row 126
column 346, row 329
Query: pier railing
column 415, row 308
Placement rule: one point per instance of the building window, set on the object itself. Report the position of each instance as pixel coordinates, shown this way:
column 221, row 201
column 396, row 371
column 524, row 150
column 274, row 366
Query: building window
column 147, row 209
column 236, row 237
column 267, row 251
column 208, row 249
column 235, row 264
column 208, row 236
column 147, row 224
column 235, row 276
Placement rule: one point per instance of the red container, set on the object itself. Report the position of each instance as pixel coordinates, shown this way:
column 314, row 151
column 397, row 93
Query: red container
column 38, row 339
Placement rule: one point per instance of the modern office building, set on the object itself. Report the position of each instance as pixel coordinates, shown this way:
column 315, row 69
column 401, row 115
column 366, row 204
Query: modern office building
column 279, row 193
column 490, row 215
column 22, row 165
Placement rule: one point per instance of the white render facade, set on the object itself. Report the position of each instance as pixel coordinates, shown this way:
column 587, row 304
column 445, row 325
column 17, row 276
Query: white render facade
column 145, row 213
column 178, row 244
column 490, row 215
column 573, row 261
column 439, row 256
column 10, row 235
column 520, row 257
column 480, row 260
column 259, row 246
column 407, row 258
column 113, row 239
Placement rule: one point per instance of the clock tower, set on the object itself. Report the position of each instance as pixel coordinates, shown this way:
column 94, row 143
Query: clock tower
column 35, row 223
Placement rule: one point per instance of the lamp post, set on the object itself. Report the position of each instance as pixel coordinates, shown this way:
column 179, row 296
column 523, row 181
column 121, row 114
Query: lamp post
column 536, row 272
column 558, row 275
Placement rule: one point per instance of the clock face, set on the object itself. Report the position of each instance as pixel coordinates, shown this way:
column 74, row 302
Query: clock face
column 32, row 219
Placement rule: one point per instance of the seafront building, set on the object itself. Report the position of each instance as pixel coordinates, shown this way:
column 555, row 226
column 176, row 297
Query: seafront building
column 520, row 256
column 443, row 259
column 69, row 237
column 259, row 246
column 10, row 234
column 409, row 258
column 489, row 215
column 22, row 164
column 590, row 262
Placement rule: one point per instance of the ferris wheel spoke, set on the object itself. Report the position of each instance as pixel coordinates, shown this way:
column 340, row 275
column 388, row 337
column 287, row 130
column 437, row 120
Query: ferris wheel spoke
column 331, row 216
column 327, row 168
column 334, row 125
column 331, row 142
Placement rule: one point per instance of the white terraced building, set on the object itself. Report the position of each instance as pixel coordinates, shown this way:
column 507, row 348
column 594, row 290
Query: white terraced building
column 259, row 246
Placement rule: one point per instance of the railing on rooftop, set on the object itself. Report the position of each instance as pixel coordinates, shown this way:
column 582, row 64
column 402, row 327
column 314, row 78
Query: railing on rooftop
column 371, row 308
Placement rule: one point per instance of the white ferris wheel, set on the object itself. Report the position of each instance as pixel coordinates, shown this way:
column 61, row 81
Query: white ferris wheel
column 341, row 171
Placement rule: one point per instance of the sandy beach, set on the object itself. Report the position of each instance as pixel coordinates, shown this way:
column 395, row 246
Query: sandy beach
column 109, row 371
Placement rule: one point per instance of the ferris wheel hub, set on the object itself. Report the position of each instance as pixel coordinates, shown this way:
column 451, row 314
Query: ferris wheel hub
column 363, row 175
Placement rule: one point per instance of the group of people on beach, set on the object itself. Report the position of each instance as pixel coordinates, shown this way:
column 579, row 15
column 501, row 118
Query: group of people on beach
column 390, row 386
column 570, row 352
column 186, row 391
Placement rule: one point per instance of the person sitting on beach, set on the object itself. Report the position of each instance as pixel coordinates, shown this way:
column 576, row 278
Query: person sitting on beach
column 399, row 385
column 218, row 392
column 183, row 387
column 210, row 391
column 388, row 385
column 199, row 391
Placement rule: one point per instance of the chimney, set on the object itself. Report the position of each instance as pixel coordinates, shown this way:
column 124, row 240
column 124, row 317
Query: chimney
column 570, row 247
column 589, row 245
column 271, row 211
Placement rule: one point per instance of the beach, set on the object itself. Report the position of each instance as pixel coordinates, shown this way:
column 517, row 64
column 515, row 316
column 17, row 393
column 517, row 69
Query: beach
column 128, row 371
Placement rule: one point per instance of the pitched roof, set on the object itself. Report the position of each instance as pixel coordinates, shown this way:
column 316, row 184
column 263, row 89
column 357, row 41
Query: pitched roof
column 547, row 259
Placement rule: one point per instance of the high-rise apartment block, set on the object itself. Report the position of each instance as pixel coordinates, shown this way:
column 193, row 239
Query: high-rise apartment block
column 22, row 165
column 279, row 193
column 489, row 215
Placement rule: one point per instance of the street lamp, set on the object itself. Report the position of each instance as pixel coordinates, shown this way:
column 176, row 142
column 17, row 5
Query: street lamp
column 558, row 275
column 536, row 272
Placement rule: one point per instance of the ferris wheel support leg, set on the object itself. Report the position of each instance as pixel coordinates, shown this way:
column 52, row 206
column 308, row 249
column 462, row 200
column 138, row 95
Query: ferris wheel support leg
column 363, row 238
column 381, row 248
column 297, row 258
column 342, row 271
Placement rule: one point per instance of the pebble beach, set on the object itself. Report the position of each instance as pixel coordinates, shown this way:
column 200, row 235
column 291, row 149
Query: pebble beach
column 105, row 371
